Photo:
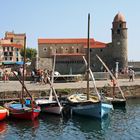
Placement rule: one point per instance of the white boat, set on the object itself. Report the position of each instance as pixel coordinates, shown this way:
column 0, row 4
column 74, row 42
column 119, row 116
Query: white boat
column 50, row 105
column 89, row 104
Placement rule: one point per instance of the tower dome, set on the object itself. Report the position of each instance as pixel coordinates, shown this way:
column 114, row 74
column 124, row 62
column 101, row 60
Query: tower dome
column 119, row 17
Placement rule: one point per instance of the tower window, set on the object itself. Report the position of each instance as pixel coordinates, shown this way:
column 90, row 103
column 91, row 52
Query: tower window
column 120, row 25
column 77, row 50
column 118, row 31
column 11, row 39
column 101, row 50
column 112, row 32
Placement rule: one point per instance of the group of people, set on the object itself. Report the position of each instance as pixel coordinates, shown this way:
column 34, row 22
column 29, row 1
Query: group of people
column 40, row 76
column 4, row 75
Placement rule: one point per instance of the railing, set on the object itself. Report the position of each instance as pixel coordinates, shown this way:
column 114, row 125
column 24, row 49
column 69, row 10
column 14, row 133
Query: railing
column 101, row 75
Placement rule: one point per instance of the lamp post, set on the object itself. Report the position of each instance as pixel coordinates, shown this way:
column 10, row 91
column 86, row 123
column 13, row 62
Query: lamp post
column 37, row 59
column 117, row 69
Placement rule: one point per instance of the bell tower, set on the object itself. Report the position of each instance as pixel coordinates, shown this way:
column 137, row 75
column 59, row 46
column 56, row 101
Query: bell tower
column 119, row 41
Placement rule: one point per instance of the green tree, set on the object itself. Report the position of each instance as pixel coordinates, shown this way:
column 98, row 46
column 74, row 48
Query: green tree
column 30, row 53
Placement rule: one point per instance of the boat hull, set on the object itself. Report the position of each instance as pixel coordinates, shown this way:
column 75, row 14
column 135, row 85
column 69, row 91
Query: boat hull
column 106, row 108
column 52, row 109
column 116, row 102
column 119, row 103
column 31, row 115
column 98, row 110
column 26, row 113
column 49, row 106
column 92, row 110
column 3, row 113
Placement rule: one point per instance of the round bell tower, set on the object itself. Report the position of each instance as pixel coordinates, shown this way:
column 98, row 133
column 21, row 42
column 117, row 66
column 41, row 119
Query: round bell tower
column 119, row 41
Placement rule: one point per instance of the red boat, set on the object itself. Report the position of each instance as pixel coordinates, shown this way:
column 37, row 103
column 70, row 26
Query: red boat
column 3, row 113
column 23, row 111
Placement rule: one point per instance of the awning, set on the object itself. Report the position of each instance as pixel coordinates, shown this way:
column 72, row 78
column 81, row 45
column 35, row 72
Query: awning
column 8, row 63
column 19, row 63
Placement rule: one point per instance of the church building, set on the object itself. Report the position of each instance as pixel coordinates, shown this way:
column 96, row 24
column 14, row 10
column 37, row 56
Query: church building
column 69, row 52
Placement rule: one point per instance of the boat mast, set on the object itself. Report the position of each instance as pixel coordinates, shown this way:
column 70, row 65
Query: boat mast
column 88, row 56
column 24, row 59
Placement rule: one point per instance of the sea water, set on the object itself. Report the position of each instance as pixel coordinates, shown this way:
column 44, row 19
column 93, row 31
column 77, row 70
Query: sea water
column 118, row 125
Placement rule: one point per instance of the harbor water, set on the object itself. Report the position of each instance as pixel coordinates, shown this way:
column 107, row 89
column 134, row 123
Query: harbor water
column 119, row 125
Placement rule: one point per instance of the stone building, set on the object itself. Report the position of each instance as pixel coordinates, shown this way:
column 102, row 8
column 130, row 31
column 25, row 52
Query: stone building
column 69, row 52
column 10, row 47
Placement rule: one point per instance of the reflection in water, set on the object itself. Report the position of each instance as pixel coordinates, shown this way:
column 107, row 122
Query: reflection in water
column 19, row 129
column 3, row 127
column 90, row 127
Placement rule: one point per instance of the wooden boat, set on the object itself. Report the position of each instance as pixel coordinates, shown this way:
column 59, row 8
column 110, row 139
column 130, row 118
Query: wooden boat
column 92, row 107
column 88, row 104
column 116, row 102
column 3, row 113
column 50, row 105
column 22, row 109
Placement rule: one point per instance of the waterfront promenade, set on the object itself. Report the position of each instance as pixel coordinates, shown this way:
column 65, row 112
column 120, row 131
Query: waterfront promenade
column 16, row 86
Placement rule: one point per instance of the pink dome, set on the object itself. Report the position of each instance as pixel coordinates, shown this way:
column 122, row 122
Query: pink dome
column 119, row 17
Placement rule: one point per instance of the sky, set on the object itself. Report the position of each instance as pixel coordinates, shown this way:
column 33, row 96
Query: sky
column 68, row 19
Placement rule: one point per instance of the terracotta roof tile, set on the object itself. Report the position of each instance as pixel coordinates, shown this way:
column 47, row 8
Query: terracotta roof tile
column 93, row 43
column 70, row 54
column 12, row 45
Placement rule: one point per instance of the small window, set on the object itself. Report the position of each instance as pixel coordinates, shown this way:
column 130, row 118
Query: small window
column 11, row 39
column 11, row 53
column 3, row 48
column 17, row 59
column 112, row 31
column 5, row 54
column 77, row 50
column 5, row 58
column 10, row 58
column 118, row 31
column 7, row 48
column 44, row 49
column 120, row 25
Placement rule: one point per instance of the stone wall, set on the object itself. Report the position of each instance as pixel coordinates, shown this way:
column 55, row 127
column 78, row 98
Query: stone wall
column 129, row 91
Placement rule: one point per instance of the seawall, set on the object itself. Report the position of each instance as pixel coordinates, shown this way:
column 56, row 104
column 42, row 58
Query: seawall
column 12, row 89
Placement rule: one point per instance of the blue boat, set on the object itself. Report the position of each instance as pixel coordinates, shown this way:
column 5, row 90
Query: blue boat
column 89, row 104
